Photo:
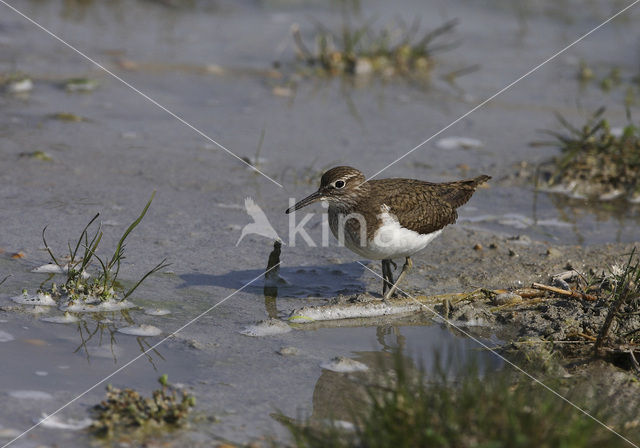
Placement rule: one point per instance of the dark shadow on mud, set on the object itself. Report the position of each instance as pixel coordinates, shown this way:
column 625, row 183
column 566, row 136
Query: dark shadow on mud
column 294, row 282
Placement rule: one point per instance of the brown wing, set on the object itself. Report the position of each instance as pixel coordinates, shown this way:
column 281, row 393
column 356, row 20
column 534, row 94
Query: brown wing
column 426, row 207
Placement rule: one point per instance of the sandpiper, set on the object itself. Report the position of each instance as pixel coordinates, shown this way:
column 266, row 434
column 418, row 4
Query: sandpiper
column 382, row 219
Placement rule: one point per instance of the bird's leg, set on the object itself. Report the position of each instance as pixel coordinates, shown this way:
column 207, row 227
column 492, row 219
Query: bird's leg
column 408, row 264
column 387, row 275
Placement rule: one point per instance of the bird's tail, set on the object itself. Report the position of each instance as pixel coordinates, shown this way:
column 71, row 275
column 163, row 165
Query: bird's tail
column 462, row 190
column 479, row 180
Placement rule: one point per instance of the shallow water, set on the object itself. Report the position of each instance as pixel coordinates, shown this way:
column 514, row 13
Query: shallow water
column 210, row 63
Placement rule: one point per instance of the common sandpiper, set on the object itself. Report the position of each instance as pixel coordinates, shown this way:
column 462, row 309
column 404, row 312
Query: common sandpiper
column 383, row 219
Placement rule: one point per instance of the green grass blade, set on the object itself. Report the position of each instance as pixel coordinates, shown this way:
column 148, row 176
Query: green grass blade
column 46, row 246
column 82, row 235
column 117, row 253
column 163, row 264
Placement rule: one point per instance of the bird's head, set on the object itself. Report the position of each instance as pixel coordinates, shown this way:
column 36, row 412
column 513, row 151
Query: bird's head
column 339, row 186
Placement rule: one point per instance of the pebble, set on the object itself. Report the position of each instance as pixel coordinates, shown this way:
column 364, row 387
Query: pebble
column 266, row 328
column 289, row 351
column 522, row 240
column 559, row 283
column 282, row 91
column 343, row 364
column 553, row 252
column 478, row 246
column 506, row 298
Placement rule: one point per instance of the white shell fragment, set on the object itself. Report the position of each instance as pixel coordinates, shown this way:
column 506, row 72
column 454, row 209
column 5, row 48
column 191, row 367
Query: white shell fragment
column 95, row 306
column 140, row 330
column 458, row 143
column 6, row 337
column 39, row 298
column 266, row 328
column 52, row 268
column 156, row 311
column 66, row 318
column 20, row 86
column 56, row 422
column 343, row 364
column 9, row 433
column 30, row 395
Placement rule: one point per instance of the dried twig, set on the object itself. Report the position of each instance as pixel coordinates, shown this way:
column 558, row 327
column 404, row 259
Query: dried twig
column 565, row 292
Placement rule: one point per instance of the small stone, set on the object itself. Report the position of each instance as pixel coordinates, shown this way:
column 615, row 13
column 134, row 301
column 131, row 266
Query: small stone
column 80, row 85
column 560, row 283
column 506, row 298
column 522, row 240
column 289, row 351
column 363, row 67
column 512, row 253
column 282, row 91
column 268, row 327
column 342, row 364
column 553, row 252
column 493, row 246
column 477, row 246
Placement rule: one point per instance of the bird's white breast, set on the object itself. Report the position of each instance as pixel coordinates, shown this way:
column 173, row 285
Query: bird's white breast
column 390, row 241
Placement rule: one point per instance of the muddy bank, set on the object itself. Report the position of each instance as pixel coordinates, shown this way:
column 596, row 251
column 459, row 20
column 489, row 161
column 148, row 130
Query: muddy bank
column 533, row 296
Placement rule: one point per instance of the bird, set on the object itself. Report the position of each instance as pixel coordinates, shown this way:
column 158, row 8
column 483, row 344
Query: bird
column 260, row 225
column 383, row 219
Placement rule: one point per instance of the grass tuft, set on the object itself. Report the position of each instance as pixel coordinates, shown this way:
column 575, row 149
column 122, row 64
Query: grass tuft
column 79, row 285
column 625, row 307
column 359, row 50
column 126, row 410
column 595, row 161
column 408, row 408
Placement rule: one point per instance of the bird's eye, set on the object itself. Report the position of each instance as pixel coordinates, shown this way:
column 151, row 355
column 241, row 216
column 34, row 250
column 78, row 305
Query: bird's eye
column 339, row 184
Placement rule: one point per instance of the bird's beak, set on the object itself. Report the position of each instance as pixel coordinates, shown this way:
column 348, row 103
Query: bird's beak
column 314, row 197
